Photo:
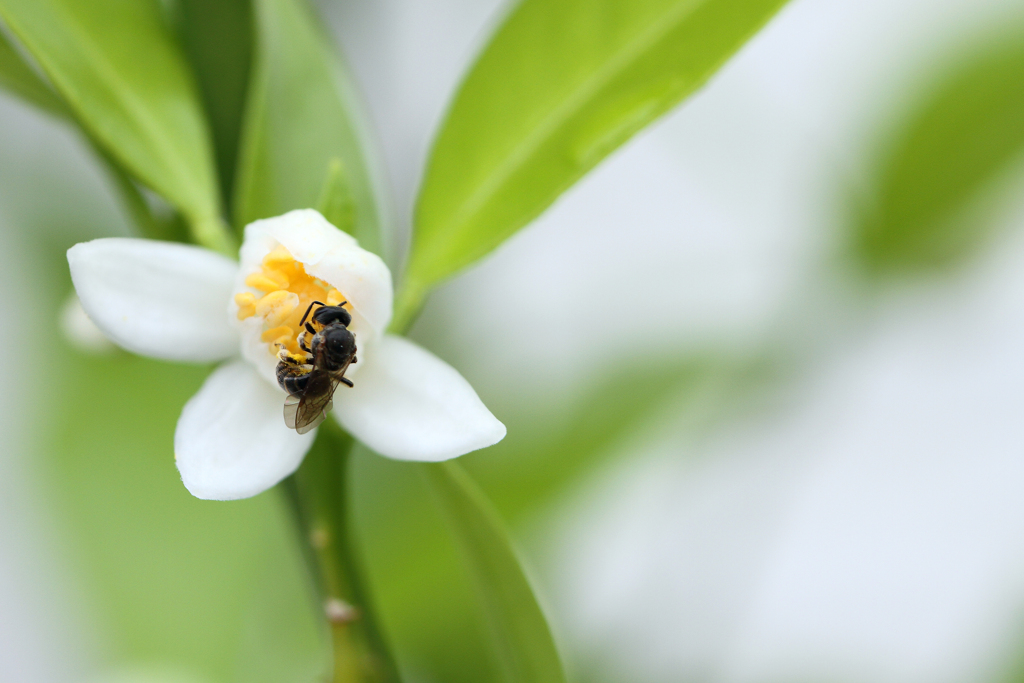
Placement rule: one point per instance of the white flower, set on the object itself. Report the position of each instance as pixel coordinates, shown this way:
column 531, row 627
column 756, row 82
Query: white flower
column 185, row 303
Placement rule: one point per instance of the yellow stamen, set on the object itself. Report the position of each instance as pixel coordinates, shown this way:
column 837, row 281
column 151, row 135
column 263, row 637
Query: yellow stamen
column 288, row 291
column 334, row 297
column 246, row 305
column 244, row 299
column 277, row 276
column 277, row 258
column 261, row 282
column 276, row 333
column 275, row 307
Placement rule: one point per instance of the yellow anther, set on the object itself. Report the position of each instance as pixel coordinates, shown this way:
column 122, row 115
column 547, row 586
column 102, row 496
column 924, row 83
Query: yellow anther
column 276, row 276
column 275, row 307
column 286, row 342
column 276, row 333
column 244, row 299
column 288, row 291
column 334, row 297
column 262, row 282
column 277, row 258
column 246, row 305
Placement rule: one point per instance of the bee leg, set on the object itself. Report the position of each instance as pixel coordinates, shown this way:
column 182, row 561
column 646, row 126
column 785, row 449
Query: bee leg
column 302, row 343
column 347, row 382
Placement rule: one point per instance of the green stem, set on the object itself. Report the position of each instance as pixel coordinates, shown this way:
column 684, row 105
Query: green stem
column 319, row 494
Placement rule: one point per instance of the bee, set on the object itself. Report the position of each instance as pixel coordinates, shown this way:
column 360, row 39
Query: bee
column 310, row 382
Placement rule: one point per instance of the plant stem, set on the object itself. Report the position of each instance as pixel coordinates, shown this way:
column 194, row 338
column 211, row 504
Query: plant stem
column 319, row 494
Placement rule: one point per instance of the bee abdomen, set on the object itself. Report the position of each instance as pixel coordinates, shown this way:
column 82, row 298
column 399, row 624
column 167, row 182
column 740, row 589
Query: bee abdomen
column 292, row 378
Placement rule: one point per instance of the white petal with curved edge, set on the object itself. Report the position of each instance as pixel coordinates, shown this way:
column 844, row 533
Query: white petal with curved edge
column 231, row 441
column 157, row 299
column 329, row 254
column 409, row 404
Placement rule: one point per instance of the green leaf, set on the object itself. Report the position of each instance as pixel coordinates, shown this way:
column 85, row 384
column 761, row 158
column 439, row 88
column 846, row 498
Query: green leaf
column 928, row 203
column 217, row 36
column 549, row 447
column 173, row 581
column 520, row 633
column 427, row 601
column 561, row 85
column 121, row 73
column 299, row 117
column 336, row 202
column 18, row 78
column 425, row 595
column 320, row 492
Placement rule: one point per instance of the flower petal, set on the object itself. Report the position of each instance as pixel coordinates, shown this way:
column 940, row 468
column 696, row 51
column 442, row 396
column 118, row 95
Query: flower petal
column 157, row 299
column 231, row 441
column 329, row 254
column 409, row 404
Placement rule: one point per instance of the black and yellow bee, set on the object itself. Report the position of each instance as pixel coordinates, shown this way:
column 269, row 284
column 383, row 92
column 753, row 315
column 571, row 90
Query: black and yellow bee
column 311, row 381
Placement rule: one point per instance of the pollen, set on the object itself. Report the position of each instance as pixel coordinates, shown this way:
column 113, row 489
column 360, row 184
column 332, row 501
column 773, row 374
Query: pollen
column 275, row 307
column 334, row 297
column 246, row 305
column 276, row 333
column 285, row 291
column 268, row 281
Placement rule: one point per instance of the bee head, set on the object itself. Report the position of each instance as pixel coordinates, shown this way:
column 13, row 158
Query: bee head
column 326, row 315
column 341, row 343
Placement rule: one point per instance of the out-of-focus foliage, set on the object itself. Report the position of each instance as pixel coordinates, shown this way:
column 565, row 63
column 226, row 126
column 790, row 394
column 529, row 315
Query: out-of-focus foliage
column 336, row 203
column 519, row 631
column 215, row 590
column 542, row 457
column 559, row 87
column 319, row 493
column 217, row 36
column 299, row 117
column 18, row 77
column 963, row 134
column 120, row 71
column 428, row 599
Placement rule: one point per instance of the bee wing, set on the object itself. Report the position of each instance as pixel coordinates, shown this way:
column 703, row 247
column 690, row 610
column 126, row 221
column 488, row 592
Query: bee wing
column 304, row 413
column 291, row 410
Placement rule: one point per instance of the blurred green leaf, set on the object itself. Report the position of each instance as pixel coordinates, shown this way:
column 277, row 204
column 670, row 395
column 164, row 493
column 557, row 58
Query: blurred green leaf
column 336, row 203
column 299, row 116
column 427, row 602
column 319, row 492
column 207, row 587
column 542, row 455
column 217, row 36
column 520, row 633
column 561, row 85
column 119, row 70
column 18, row 78
column 963, row 134
column 431, row 608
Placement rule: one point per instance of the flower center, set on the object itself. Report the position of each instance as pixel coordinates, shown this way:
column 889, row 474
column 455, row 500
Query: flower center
column 288, row 290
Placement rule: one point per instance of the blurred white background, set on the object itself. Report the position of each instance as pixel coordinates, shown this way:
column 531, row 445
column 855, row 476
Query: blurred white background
column 865, row 524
